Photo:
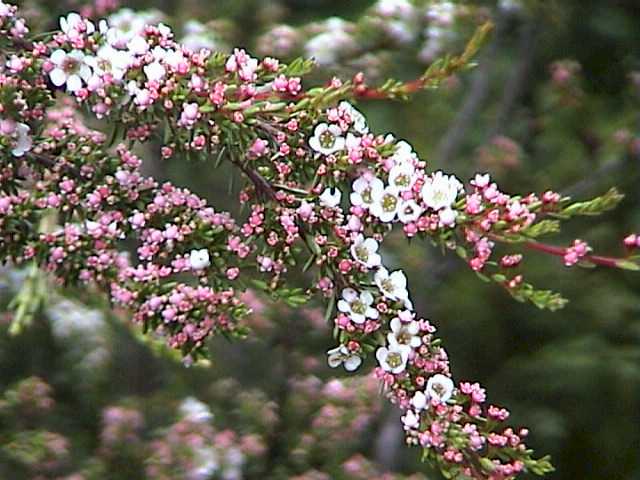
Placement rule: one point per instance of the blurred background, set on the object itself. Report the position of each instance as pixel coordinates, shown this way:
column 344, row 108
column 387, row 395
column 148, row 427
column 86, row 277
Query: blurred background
column 553, row 104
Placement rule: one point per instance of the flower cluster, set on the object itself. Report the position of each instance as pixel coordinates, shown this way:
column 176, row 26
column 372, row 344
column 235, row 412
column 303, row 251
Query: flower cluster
column 179, row 266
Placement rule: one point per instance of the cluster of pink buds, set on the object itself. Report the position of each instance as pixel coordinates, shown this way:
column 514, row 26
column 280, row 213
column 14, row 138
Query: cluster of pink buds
column 575, row 252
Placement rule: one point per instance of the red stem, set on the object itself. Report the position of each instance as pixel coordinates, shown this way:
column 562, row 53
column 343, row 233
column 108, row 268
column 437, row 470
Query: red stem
column 610, row 262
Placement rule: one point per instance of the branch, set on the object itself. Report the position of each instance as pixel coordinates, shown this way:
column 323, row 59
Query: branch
column 611, row 262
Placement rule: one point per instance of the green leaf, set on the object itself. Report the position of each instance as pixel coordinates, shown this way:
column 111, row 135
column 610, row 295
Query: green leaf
column 298, row 67
column 596, row 206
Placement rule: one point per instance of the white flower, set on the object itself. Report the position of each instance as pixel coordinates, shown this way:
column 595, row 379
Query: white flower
column 195, row 411
column 439, row 388
column 364, row 251
column 366, row 191
column 330, row 198
column 419, row 400
column 110, row 60
column 411, row 420
column 154, row 71
column 73, row 24
column 70, row 68
column 394, row 358
column 126, row 24
column 386, row 206
column 23, row 141
column 448, row 217
column 357, row 306
column 404, row 152
column 138, row 45
column 359, row 123
column 481, row 180
column 341, row 354
column 199, row 259
column 402, row 176
column 174, row 58
column 393, row 286
column 327, row 139
column 440, row 190
column 404, row 333
column 409, row 211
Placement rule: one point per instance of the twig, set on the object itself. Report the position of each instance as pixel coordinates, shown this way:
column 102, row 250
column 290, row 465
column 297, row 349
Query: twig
column 610, row 262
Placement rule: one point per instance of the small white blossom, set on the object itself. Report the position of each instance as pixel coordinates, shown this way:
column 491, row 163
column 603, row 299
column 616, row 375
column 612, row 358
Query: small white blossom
column 199, row 259
column 126, row 24
column 359, row 121
column 174, row 58
column 70, row 68
column 366, row 191
column 364, row 251
column 440, row 190
column 195, row 411
column 404, row 153
column 419, row 400
column 409, row 211
column 411, row 420
column 341, row 355
column 110, row 60
column 73, row 24
column 393, row 358
column 330, row 198
column 385, row 208
column 402, row 176
column 23, row 140
column 154, row 71
column 439, row 388
column 138, row 45
column 327, row 139
column 357, row 306
column 448, row 217
column 404, row 333
column 481, row 180
column 393, row 286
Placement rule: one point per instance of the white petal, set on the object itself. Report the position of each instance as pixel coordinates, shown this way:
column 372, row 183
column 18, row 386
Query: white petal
column 58, row 56
column 352, row 363
column 334, row 361
column 343, row 306
column 58, row 77
column 349, row 294
column 366, row 298
column 395, row 325
column 74, row 83
column 381, row 354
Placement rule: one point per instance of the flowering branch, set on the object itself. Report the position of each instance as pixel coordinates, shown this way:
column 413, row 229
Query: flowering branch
column 300, row 150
